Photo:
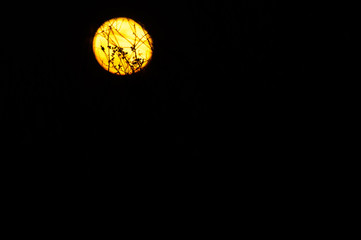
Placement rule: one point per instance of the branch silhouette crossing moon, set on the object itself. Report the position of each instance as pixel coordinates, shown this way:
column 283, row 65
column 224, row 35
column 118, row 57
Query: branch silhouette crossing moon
column 122, row 46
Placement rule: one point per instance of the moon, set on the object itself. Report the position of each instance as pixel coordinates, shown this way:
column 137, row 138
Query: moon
column 122, row 46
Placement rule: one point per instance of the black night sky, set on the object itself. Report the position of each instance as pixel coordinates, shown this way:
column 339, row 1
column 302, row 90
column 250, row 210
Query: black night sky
column 220, row 96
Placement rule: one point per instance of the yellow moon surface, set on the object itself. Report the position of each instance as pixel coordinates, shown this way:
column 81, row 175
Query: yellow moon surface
column 122, row 46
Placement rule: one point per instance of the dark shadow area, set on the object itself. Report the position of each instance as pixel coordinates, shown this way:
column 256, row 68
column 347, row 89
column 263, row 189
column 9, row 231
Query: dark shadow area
column 222, row 100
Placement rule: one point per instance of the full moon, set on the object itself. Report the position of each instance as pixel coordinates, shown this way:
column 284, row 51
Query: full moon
column 122, row 46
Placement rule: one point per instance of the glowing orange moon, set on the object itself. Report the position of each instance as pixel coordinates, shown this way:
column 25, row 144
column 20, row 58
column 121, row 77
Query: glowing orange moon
column 122, row 46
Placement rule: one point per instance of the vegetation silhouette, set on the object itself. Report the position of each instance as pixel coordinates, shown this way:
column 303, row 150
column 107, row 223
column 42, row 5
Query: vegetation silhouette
column 120, row 59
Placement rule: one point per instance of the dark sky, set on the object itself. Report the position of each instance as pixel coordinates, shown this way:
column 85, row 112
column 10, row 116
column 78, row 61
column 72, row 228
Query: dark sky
column 226, row 108
column 207, row 56
column 223, row 95
column 216, row 80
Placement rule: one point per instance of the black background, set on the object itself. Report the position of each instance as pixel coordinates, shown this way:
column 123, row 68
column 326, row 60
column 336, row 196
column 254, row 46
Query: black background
column 223, row 100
